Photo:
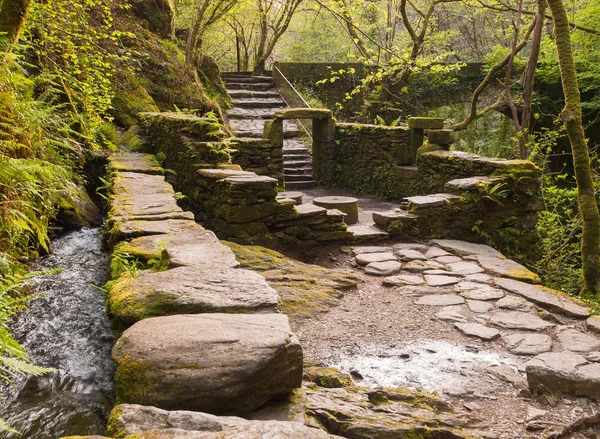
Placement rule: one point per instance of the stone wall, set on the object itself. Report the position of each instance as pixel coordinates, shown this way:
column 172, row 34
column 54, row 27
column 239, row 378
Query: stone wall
column 364, row 158
column 198, row 332
column 190, row 142
column 239, row 205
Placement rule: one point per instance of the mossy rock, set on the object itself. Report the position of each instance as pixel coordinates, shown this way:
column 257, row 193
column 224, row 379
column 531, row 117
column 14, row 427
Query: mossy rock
column 157, row 13
column 77, row 210
column 131, row 98
column 304, row 289
column 328, row 377
column 210, row 77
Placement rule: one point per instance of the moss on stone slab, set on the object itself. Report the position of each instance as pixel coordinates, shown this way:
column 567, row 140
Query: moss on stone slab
column 304, row 289
column 328, row 377
column 135, row 381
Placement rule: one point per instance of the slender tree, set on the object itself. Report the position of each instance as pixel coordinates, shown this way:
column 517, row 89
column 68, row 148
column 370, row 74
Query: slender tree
column 571, row 114
column 12, row 16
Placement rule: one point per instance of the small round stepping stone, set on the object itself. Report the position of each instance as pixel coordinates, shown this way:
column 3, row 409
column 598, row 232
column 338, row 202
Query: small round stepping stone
column 403, row 279
column 528, row 344
column 452, row 314
column 436, row 252
column 448, row 259
column 575, row 341
column 440, row 300
column 479, row 306
column 484, row 292
column 477, row 330
column 385, row 268
column 514, row 303
column 440, row 281
column 411, row 255
column 465, row 267
column 348, row 205
column 368, row 258
column 296, row 196
column 519, row 320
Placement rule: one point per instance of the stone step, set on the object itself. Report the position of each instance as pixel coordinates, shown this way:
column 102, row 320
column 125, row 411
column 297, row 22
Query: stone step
column 298, row 171
column 258, row 103
column 191, row 356
column 297, row 178
column 297, row 154
column 254, row 94
column 249, row 86
column 430, row 201
column 366, row 233
column 259, row 134
column 384, row 220
column 300, row 184
column 247, row 79
column 297, row 163
column 251, row 113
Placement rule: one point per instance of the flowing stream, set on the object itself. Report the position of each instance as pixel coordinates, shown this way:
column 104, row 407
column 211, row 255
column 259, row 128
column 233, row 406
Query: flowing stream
column 67, row 329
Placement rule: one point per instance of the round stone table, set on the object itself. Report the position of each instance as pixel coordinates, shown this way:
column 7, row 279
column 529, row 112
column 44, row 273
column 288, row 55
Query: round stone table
column 348, row 205
column 296, row 196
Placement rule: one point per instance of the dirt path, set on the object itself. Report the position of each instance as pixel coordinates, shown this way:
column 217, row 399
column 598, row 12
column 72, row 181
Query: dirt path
column 389, row 337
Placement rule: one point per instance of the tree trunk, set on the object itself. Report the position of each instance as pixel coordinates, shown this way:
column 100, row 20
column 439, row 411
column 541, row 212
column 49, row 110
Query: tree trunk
column 12, row 16
column 590, row 242
column 260, row 59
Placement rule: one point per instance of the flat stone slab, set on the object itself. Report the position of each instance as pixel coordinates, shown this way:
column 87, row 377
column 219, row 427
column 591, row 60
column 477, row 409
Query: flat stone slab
column 440, row 300
column 479, row 307
column 216, row 363
column 514, row 303
column 187, row 247
column 484, row 292
column 306, row 210
column 575, row 341
column 411, row 255
column 466, row 248
column 465, row 267
column 387, row 218
column 368, row 258
column 436, row 252
column 403, row 279
column 142, row 196
column 528, row 344
column 545, row 297
column 189, row 290
column 448, row 259
column 359, row 250
column 131, row 419
column 519, row 320
column 411, row 246
column 440, row 281
column 565, row 372
column 418, row 266
column 122, row 230
column 135, row 162
column 452, row 314
column 385, row 268
column 477, row 330
column 507, row 268
column 481, row 278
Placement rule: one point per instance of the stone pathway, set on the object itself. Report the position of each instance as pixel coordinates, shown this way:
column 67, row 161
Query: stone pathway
column 255, row 100
column 462, row 320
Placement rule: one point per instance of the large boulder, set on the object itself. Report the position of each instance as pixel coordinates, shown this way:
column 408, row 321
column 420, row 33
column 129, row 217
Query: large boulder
column 128, row 419
column 216, row 363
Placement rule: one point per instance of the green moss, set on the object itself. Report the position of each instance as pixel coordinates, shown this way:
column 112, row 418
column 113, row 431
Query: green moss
column 114, row 426
column 131, row 98
column 327, row 377
column 135, row 381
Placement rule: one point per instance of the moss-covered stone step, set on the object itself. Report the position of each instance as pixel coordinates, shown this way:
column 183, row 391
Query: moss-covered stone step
column 217, row 363
column 205, row 288
column 253, row 102
column 130, row 419
column 135, row 162
column 143, row 196
column 182, row 247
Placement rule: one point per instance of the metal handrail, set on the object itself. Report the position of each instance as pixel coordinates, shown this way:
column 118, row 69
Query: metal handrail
column 306, row 104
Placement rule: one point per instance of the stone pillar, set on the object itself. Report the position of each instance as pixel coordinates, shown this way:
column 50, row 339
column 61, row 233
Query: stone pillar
column 416, row 134
column 323, row 150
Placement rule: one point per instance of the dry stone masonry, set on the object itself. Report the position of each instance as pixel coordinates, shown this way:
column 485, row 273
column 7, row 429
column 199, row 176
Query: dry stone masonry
column 198, row 332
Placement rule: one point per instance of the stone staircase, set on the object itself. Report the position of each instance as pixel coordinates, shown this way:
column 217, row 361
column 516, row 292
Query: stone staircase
column 255, row 100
